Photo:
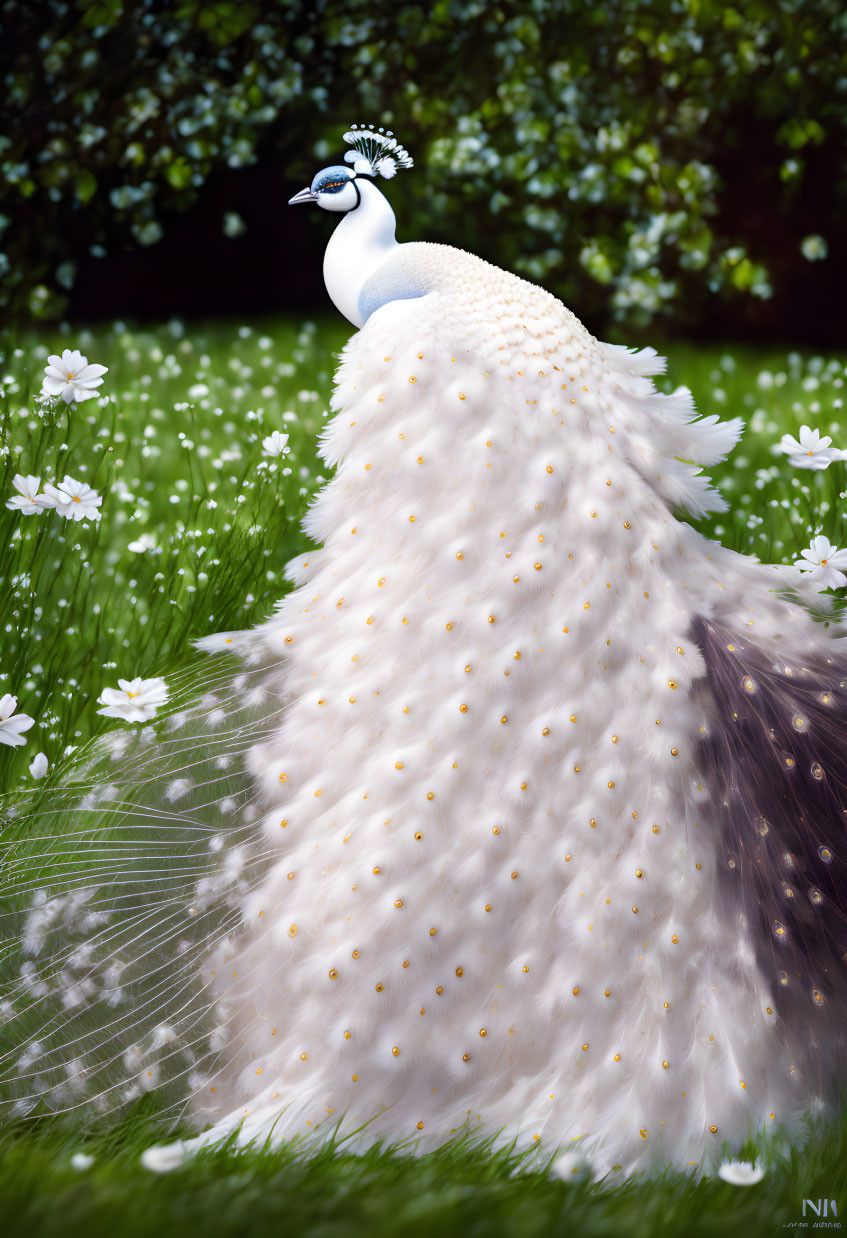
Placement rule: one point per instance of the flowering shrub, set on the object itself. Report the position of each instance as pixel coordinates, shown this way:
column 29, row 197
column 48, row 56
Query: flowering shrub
column 633, row 157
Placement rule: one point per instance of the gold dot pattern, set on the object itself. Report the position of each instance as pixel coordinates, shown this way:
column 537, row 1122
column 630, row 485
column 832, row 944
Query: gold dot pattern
column 502, row 749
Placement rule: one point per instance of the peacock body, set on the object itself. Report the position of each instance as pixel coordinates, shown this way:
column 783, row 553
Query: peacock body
column 536, row 765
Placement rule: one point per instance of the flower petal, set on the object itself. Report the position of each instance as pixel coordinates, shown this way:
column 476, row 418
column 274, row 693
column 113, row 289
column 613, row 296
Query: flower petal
column 38, row 766
column 8, row 705
column 91, row 371
column 741, row 1173
column 162, row 1158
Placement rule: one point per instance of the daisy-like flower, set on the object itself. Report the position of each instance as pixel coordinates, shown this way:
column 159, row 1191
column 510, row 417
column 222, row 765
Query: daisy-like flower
column 276, row 444
column 28, row 500
column 13, row 725
column 75, row 500
column 134, row 700
column 811, row 451
column 823, row 561
column 741, row 1173
column 81, row 1161
column 71, row 377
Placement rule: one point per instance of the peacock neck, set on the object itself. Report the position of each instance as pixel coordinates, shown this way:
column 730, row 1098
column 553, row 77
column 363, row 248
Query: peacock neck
column 357, row 247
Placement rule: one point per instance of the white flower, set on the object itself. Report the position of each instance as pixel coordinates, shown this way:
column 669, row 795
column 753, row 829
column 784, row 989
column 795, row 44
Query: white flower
column 146, row 542
column 11, row 728
column 233, row 224
column 164, row 1157
column 134, row 700
column 811, row 452
column 28, row 500
column 823, row 561
column 814, row 248
column 741, row 1173
column 81, row 1160
column 71, row 377
column 276, row 444
column 75, row 500
column 38, row 765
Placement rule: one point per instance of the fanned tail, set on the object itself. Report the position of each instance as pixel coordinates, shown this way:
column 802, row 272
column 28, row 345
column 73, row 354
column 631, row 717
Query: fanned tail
column 122, row 889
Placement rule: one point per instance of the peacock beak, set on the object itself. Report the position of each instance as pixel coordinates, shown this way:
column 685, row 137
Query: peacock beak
column 305, row 195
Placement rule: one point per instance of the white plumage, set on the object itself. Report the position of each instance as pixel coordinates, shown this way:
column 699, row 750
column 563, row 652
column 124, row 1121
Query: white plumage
column 485, row 887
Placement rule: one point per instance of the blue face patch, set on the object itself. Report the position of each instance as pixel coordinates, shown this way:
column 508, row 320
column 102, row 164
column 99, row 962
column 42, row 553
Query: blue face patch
column 331, row 180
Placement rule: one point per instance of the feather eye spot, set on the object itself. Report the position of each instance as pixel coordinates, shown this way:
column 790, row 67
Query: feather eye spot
column 817, row 771
column 750, row 685
column 825, row 854
column 815, row 896
column 800, row 722
column 779, row 930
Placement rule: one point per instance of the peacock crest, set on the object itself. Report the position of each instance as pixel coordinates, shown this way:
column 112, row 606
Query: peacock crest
column 376, row 152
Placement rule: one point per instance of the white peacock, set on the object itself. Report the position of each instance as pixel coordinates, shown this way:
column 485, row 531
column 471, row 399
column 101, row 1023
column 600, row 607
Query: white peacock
column 522, row 814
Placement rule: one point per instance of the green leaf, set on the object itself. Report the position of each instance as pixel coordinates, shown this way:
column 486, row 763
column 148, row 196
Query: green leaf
column 179, row 173
column 86, row 186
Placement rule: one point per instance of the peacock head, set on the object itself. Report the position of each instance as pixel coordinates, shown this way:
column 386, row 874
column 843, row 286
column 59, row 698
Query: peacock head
column 376, row 152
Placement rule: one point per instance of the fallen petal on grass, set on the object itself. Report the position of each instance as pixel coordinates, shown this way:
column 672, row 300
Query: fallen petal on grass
column 741, row 1173
column 162, row 1158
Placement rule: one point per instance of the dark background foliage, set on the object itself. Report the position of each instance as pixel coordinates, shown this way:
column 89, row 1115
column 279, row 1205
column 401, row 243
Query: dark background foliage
column 673, row 163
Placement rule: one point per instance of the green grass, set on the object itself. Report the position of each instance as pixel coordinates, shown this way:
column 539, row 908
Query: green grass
column 461, row 1190
column 195, row 532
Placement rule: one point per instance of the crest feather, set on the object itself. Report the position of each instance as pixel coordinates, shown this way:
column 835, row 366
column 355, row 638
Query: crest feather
column 376, row 152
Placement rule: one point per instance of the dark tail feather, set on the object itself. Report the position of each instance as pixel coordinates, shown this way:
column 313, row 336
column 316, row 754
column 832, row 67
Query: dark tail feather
column 775, row 759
